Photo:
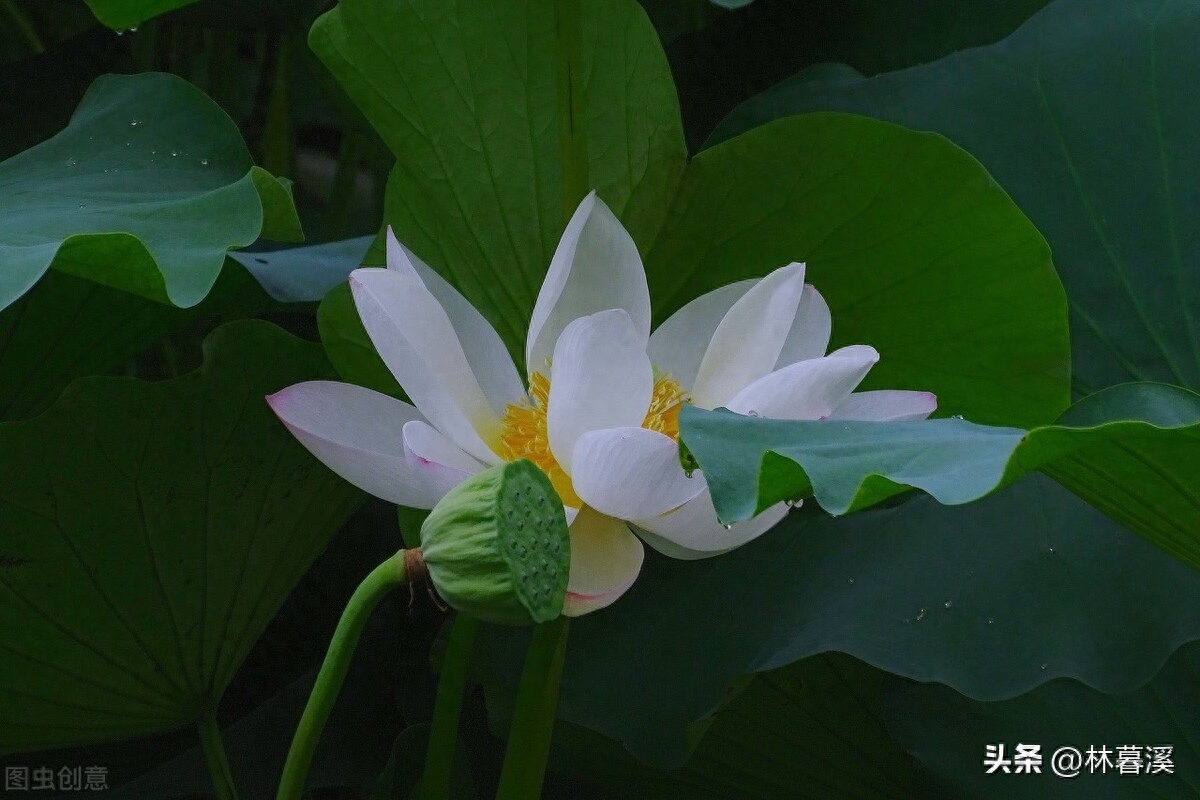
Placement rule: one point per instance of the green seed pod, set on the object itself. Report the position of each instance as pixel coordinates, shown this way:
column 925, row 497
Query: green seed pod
column 497, row 546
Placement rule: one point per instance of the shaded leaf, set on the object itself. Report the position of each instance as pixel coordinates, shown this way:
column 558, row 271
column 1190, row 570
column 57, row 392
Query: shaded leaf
column 978, row 597
column 1099, row 151
column 948, row 734
column 810, row 730
column 150, row 532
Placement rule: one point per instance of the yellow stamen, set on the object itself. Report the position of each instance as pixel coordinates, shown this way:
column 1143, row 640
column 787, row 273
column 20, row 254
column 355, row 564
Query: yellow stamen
column 524, row 429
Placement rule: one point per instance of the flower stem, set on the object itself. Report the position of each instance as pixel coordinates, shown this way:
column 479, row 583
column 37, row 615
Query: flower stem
column 572, row 133
column 214, row 754
column 366, row 597
column 443, row 732
column 533, row 716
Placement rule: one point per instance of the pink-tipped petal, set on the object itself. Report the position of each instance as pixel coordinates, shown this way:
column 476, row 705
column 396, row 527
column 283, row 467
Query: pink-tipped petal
column 357, row 433
column 807, row 389
column 605, row 561
column 436, row 460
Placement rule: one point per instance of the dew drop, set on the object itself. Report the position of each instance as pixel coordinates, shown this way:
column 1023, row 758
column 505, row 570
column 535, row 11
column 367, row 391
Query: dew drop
column 921, row 615
column 82, row 205
column 689, row 472
column 990, row 620
column 204, row 162
column 850, row 581
column 72, row 161
column 1044, row 665
column 120, row 32
column 133, row 29
column 726, row 526
column 133, row 123
column 752, row 413
column 794, row 502
column 957, row 416
column 174, row 153
column 948, row 603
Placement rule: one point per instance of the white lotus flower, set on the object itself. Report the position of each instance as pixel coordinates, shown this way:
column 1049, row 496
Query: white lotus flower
column 599, row 412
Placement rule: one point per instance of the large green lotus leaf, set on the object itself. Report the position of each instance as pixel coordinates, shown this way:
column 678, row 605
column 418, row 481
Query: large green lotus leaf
column 1087, row 116
column 464, row 92
column 752, row 463
column 948, row 734
column 992, row 599
column 906, row 237
column 812, row 730
column 122, row 14
column 149, row 533
column 918, row 252
column 145, row 190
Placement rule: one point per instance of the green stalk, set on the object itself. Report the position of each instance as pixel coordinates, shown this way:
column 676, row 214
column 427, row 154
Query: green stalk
column 345, row 183
column 366, row 597
column 214, row 754
column 533, row 715
column 277, row 132
column 572, row 133
column 443, row 731
column 537, row 696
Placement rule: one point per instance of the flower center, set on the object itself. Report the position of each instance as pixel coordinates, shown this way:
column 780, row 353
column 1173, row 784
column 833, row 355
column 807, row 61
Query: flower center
column 524, row 431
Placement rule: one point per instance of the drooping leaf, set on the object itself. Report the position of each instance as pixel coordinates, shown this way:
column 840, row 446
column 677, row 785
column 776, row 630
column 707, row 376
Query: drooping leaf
column 751, row 463
column 1098, row 150
column 304, row 274
column 949, row 734
column 992, row 599
column 917, row 251
column 145, row 190
column 149, row 533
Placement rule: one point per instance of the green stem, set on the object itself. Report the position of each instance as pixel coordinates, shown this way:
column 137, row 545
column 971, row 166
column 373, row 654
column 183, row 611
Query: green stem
column 533, row 715
column 366, row 597
column 214, row 754
column 345, row 183
column 572, row 131
column 443, row 732
column 23, row 25
column 277, row 133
